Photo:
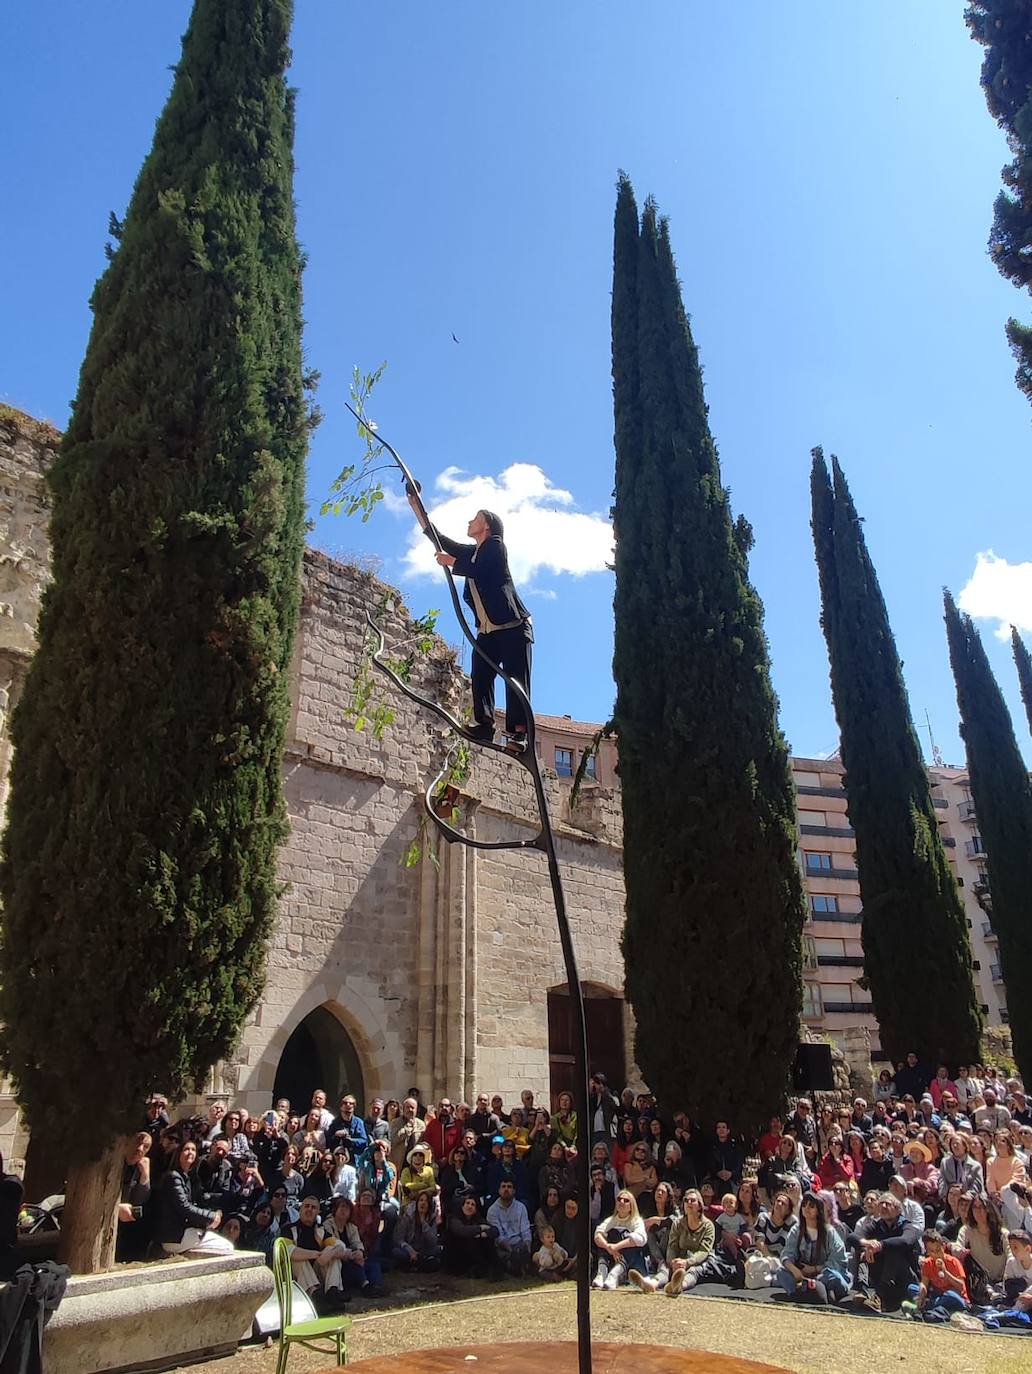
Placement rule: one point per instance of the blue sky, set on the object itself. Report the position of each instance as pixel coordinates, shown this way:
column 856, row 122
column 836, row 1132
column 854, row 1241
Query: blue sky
column 828, row 171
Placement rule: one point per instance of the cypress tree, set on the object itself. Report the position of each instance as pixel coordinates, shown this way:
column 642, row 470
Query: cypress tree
column 913, row 916
column 138, row 876
column 1004, row 28
column 709, row 820
column 1002, row 795
column 1023, row 663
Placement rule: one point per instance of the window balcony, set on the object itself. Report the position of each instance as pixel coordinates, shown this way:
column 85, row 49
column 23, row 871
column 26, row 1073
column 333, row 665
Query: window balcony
column 996, row 973
column 848, row 1008
column 975, row 848
column 988, row 933
column 840, row 960
column 967, row 812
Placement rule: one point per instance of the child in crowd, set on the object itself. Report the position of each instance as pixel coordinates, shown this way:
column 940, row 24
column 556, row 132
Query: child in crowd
column 551, row 1258
column 731, row 1226
column 943, row 1284
column 1017, row 1273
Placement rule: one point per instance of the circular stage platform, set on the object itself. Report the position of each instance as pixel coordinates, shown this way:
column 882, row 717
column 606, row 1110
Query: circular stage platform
column 559, row 1357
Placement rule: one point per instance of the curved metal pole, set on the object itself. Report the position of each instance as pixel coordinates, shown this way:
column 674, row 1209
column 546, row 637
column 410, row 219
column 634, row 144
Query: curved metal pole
column 545, row 841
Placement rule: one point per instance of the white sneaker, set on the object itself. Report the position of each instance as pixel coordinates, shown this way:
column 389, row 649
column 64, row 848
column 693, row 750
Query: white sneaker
column 611, row 1281
column 598, row 1281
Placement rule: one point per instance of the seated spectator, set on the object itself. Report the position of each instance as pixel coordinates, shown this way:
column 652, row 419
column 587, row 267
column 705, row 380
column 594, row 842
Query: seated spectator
column 369, row 1220
column 802, row 1126
column 1005, row 1167
column 469, row 1238
column 877, row 1168
column 640, row 1176
column 689, row 1246
column 568, row 1231
column 311, row 1134
column 550, row 1259
column 344, row 1176
column 768, row 1141
column 507, row 1166
column 992, row 1114
column 814, row 1254
column 601, row 1195
column 261, row 1232
column 600, row 1158
column 910, row 1207
column 658, row 1227
column 731, row 1228
column 417, row 1176
column 919, row 1165
column 849, row 1209
column 787, row 1164
column 548, row 1213
column 513, row 1240
column 836, row 1164
column 984, row 1237
column 772, row 1227
column 627, row 1138
column 675, row 1167
column 556, row 1173
column 959, row 1168
column 1017, row 1273
column 542, row 1138
column 232, row 1228
column 941, row 1084
column 284, row 1211
column 516, row 1131
column 943, row 1284
column 183, row 1226
column 270, row 1145
column 564, row 1121
column 246, row 1185
column 890, row 1253
column 885, row 1087
column 133, row 1223
column 461, row 1174
column 416, row 1244
column 342, row 1239
column 654, row 1135
column 379, row 1175
column 214, row 1174
column 290, row 1177
column 314, row 1266
column 619, row 1243
column 951, row 1220
column 348, row 1129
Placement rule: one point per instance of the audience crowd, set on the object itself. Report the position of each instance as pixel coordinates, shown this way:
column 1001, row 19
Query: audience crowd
column 917, row 1202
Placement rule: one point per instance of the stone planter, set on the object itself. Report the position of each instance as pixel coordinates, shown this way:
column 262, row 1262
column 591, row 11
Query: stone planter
column 155, row 1316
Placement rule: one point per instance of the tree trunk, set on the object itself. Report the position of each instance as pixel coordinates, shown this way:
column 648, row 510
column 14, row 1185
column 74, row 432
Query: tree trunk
column 89, row 1223
column 46, row 1169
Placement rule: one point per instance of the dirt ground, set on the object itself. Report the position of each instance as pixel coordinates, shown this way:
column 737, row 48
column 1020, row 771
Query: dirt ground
column 796, row 1338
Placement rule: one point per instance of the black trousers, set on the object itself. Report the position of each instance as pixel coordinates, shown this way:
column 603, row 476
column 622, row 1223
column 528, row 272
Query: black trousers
column 510, row 649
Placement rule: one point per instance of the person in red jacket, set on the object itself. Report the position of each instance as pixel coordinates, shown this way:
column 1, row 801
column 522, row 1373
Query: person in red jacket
column 836, row 1166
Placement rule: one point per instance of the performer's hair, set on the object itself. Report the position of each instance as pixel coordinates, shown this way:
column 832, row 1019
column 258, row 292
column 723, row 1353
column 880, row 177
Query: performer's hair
column 494, row 523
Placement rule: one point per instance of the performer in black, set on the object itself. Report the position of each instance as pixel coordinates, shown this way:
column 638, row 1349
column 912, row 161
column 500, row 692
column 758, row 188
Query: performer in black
column 504, row 629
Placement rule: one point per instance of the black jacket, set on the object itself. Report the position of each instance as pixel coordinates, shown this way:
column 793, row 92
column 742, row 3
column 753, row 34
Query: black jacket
column 487, row 565
column 178, row 1210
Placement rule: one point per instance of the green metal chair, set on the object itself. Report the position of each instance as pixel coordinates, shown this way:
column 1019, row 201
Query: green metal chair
column 324, row 1334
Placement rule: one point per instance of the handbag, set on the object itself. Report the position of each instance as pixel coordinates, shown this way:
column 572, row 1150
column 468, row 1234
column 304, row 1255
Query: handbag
column 760, row 1269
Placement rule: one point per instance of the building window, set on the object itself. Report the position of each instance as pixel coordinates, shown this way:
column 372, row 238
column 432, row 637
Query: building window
column 810, row 949
column 834, row 948
column 807, row 779
column 589, row 767
column 813, row 818
column 819, row 901
column 817, row 862
column 813, row 1007
column 564, row 762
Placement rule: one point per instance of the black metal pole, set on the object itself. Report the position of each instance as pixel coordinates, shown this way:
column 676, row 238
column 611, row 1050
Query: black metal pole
column 544, row 841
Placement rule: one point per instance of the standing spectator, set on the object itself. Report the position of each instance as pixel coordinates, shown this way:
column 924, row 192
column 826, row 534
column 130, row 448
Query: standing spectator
column 912, row 1077
column 133, row 1223
column 726, row 1158
column 270, row 1145
column 443, row 1132
column 318, row 1103
column 942, row 1083
column 965, row 1087
column 564, row 1120
column 347, row 1128
column 602, row 1108
column 407, row 1130
column 486, row 1124
column 509, row 1218
column 376, row 1124
column 311, row 1135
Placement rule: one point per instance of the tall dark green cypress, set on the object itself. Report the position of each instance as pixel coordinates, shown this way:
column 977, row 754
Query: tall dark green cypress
column 139, row 868
column 712, row 940
column 1023, row 663
column 1002, row 795
column 913, row 916
column 1004, row 28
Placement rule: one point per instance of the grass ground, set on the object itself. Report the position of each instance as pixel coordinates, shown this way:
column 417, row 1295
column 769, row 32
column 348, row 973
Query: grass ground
column 797, row 1338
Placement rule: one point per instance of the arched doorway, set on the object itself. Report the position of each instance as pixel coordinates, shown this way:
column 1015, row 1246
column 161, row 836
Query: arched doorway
column 604, row 1013
column 319, row 1054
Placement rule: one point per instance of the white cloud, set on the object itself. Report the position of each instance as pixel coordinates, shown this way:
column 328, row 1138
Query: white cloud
column 998, row 590
column 543, row 533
